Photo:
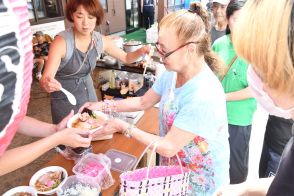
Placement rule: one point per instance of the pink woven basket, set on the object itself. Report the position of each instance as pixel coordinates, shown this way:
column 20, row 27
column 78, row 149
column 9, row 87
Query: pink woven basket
column 157, row 180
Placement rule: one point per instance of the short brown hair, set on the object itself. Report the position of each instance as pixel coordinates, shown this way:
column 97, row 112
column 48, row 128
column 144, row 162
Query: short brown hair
column 263, row 37
column 92, row 6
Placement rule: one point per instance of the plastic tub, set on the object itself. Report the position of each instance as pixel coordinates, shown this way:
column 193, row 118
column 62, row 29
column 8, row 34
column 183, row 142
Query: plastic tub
column 78, row 186
column 97, row 167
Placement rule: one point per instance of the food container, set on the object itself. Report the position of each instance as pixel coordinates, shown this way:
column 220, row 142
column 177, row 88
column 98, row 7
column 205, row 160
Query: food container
column 75, row 153
column 79, row 185
column 132, row 46
column 30, row 191
column 121, row 161
column 101, row 117
column 97, row 167
column 48, row 181
column 109, row 60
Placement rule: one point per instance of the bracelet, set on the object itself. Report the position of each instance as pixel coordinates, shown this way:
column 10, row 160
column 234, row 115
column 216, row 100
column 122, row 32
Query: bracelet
column 128, row 132
column 109, row 106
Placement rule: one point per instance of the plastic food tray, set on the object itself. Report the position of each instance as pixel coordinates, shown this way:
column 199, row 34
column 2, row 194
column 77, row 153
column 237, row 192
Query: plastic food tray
column 121, row 161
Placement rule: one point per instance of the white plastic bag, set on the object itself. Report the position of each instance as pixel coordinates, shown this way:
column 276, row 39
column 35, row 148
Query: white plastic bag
column 152, row 34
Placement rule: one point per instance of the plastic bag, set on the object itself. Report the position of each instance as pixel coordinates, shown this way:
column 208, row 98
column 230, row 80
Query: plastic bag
column 152, row 34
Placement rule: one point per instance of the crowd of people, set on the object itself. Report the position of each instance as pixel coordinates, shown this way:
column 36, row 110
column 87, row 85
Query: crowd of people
column 217, row 71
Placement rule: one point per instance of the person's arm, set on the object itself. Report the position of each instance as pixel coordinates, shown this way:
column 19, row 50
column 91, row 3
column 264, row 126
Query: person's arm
column 35, row 128
column 110, row 48
column 256, row 187
column 239, row 95
column 168, row 146
column 149, row 99
column 56, row 134
column 21, row 156
column 142, row 4
column 56, row 53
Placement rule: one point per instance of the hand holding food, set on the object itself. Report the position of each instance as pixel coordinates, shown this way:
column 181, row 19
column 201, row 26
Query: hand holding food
column 62, row 124
column 74, row 137
column 112, row 126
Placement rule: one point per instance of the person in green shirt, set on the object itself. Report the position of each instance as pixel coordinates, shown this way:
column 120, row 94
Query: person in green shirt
column 240, row 104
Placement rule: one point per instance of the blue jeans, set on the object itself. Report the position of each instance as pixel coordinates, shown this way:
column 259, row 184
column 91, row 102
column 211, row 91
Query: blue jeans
column 269, row 162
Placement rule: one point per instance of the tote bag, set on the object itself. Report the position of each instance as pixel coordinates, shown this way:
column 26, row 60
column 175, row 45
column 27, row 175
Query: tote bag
column 157, row 180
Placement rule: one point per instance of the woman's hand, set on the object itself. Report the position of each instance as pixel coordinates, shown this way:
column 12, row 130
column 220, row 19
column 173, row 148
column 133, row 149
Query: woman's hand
column 95, row 106
column 235, row 189
column 112, row 126
column 49, row 84
column 74, row 137
column 63, row 123
column 146, row 50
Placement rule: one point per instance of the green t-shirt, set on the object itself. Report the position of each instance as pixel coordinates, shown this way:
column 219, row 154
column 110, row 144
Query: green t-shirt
column 239, row 112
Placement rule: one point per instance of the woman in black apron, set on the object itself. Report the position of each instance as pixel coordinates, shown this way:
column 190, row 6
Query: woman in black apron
column 73, row 56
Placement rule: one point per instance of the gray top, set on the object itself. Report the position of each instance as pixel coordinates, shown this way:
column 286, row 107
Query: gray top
column 215, row 34
column 74, row 75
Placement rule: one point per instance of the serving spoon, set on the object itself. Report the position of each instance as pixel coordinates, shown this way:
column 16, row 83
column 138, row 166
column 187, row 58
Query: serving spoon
column 71, row 98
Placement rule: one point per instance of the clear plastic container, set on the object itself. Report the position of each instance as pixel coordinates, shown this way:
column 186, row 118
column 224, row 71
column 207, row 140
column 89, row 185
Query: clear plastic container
column 74, row 153
column 78, row 186
column 97, row 167
column 121, row 161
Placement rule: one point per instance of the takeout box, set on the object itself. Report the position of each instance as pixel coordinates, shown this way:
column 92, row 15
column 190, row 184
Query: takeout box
column 97, row 167
column 74, row 119
column 79, row 185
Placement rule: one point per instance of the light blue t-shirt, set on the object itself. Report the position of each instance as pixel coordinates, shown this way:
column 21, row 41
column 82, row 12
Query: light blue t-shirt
column 199, row 107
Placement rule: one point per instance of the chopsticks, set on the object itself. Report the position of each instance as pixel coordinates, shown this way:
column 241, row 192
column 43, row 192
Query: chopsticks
column 147, row 58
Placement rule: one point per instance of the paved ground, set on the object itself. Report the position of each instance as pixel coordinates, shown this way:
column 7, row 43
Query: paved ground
column 39, row 108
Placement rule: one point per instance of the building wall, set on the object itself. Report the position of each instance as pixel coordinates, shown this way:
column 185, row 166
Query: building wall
column 114, row 16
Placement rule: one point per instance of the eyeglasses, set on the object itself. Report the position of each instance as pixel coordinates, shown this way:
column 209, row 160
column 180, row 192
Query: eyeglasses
column 167, row 54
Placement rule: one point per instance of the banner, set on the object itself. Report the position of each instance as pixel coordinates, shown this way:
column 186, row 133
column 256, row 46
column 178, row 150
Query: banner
column 16, row 62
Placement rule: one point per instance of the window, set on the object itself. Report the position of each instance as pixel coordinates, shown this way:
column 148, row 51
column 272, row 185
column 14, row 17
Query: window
column 104, row 4
column 174, row 5
column 41, row 11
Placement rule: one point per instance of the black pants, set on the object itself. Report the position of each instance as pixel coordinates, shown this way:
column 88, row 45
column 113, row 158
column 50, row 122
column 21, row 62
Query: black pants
column 269, row 162
column 239, row 152
column 148, row 16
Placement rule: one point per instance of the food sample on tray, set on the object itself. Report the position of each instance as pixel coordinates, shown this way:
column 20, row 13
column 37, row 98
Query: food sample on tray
column 49, row 181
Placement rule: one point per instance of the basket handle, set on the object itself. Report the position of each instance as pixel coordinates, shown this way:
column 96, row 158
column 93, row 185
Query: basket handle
column 144, row 152
column 153, row 152
column 155, row 144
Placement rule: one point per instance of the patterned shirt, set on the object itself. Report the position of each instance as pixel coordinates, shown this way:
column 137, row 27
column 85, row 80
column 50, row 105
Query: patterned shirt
column 198, row 107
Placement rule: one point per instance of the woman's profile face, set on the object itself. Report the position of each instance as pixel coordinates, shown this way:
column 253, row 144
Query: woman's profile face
column 233, row 19
column 167, row 42
column 84, row 22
